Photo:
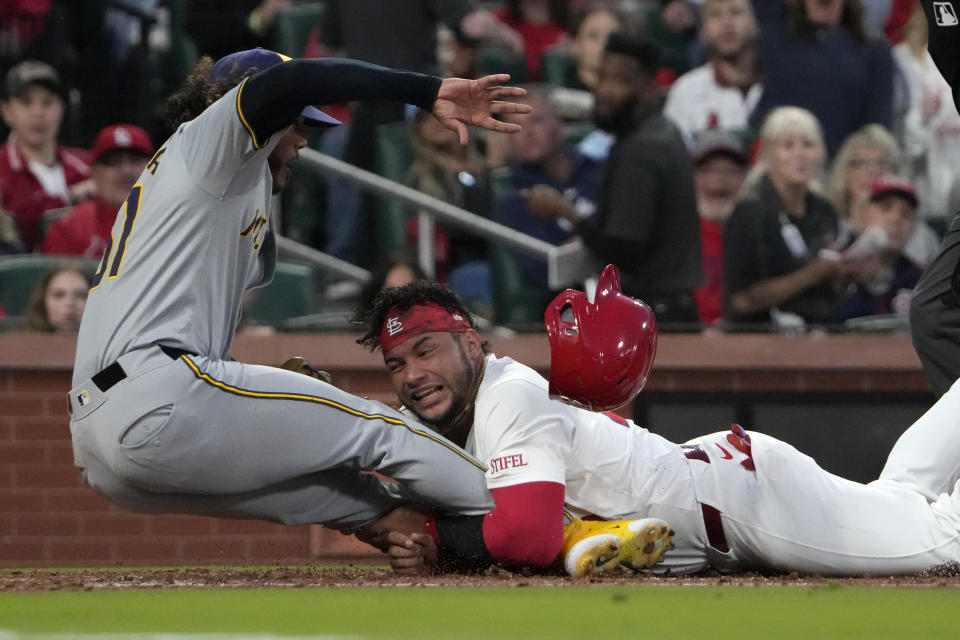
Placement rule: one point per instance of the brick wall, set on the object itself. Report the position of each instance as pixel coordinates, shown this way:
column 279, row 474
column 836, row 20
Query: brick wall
column 48, row 518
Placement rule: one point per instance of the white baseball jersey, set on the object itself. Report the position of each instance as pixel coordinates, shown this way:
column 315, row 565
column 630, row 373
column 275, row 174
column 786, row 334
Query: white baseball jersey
column 696, row 101
column 195, row 233
column 774, row 507
column 610, row 467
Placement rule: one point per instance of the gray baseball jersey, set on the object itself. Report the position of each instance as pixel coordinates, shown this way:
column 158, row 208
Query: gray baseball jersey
column 161, row 430
column 195, row 233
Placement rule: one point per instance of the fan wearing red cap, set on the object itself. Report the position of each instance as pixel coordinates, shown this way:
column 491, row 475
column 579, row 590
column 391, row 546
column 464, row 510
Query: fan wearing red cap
column 119, row 153
column 542, row 455
column 883, row 275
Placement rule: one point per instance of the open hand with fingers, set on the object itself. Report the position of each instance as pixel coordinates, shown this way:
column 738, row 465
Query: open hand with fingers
column 462, row 102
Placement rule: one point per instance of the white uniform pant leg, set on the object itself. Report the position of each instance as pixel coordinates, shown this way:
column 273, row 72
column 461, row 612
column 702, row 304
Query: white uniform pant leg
column 926, row 458
column 791, row 515
column 208, row 427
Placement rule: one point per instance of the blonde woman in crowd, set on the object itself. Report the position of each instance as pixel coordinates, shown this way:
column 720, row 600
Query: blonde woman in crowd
column 864, row 156
column 774, row 241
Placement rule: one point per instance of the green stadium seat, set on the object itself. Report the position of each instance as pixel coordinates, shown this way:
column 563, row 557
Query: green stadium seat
column 491, row 59
column 19, row 275
column 294, row 291
column 515, row 300
column 183, row 54
column 574, row 132
column 304, row 205
column 292, row 27
column 393, row 157
column 556, row 65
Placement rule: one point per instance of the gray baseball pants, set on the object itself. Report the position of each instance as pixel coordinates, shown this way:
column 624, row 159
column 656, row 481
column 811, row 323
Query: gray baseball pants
column 222, row 438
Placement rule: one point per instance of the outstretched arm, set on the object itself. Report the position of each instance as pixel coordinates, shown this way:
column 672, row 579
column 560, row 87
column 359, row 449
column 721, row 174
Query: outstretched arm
column 272, row 99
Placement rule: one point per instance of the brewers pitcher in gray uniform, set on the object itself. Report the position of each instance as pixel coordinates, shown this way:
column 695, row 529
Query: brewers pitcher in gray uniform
column 162, row 419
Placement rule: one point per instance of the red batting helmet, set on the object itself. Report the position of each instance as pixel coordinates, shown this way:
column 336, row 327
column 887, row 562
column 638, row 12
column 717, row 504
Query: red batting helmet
column 601, row 358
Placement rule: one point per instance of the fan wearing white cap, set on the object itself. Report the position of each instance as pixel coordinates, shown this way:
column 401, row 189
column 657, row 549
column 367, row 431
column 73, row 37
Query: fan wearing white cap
column 163, row 418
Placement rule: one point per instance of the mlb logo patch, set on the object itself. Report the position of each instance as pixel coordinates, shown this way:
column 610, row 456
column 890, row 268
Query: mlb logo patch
column 83, row 398
column 944, row 14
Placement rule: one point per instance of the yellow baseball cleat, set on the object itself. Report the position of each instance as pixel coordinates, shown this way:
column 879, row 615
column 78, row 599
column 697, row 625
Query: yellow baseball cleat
column 595, row 546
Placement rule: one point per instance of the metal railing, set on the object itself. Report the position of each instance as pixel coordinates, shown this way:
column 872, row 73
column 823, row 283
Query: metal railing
column 567, row 264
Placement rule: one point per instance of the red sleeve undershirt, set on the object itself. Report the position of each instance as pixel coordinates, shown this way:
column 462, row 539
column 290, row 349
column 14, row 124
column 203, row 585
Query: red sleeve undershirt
column 525, row 526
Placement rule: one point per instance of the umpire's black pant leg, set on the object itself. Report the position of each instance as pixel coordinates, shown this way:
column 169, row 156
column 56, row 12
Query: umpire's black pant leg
column 935, row 313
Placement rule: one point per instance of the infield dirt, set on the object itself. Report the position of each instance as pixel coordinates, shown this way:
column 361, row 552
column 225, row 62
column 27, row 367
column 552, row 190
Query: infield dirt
column 333, row 577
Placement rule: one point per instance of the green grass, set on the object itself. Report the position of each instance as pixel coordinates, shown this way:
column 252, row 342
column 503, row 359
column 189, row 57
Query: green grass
column 587, row 613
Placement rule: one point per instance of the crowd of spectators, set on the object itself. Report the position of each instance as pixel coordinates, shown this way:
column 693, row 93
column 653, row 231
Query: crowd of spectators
column 754, row 164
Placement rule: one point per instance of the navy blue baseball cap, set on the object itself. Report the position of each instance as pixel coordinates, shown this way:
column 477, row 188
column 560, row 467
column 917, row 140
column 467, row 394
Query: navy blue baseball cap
column 236, row 64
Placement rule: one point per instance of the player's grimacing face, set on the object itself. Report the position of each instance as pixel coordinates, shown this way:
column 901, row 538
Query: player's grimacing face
column 285, row 153
column 434, row 373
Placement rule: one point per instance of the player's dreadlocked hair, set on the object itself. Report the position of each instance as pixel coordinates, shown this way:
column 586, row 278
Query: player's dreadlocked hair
column 197, row 93
column 372, row 316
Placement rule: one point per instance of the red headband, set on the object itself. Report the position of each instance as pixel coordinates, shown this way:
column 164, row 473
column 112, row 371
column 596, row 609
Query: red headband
column 399, row 326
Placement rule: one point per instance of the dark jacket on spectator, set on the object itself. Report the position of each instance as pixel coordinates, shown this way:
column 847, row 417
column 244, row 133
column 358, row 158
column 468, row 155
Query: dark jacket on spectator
column 845, row 81
column 647, row 223
column 582, row 189
column 754, row 249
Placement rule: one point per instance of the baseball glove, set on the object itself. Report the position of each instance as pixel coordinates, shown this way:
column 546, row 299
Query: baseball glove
column 300, row 365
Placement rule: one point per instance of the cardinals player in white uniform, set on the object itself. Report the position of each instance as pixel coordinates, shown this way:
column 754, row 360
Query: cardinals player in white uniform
column 736, row 499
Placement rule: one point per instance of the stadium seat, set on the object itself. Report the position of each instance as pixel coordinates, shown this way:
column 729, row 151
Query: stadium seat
column 574, row 132
column 294, row 291
column 492, row 59
column 393, row 157
column 515, row 300
column 183, row 54
column 19, row 275
column 556, row 64
column 304, row 204
column 292, row 27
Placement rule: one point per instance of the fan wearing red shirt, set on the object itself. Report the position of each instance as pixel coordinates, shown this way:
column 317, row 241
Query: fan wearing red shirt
column 541, row 24
column 36, row 173
column 720, row 164
column 120, row 152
